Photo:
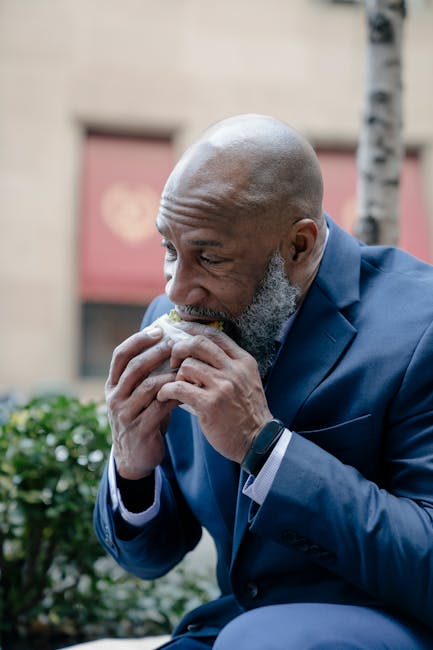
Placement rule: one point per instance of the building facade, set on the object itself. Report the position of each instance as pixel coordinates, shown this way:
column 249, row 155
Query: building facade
column 97, row 100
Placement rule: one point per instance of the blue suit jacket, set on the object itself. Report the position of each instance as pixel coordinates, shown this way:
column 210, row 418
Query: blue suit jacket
column 349, row 516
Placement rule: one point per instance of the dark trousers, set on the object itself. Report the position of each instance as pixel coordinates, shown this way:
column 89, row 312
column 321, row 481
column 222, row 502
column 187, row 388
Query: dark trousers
column 315, row 626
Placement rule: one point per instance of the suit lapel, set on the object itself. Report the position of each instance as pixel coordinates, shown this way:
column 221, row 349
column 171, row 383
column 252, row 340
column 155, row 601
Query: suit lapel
column 318, row 338
column 316, row 341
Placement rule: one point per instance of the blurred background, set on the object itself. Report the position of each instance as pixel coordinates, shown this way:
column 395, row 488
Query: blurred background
column 98, row 98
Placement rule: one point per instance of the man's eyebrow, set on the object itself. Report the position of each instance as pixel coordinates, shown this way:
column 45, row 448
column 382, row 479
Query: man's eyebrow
column 196, row 242
column 205, row 242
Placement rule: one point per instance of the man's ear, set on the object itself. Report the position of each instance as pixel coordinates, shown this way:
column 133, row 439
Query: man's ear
column 302, row 240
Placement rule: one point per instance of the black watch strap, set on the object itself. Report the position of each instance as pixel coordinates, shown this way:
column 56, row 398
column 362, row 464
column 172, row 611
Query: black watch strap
column 262, row 445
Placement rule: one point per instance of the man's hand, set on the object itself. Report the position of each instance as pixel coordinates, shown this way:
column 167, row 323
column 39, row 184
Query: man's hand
column 221, row 382
column 137, row 419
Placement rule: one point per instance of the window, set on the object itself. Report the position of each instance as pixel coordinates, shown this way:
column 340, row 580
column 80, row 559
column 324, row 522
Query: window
column 120, row 256
column 103, row 326
column 340, row 178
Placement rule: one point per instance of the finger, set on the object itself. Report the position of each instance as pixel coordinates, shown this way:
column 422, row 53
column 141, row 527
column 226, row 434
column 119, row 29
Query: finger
column 138, row 367
column 206, row 349
column 219, row 337
column 132, row 414
column 156, row 415
column 129, row 349
column 141, row 366
column 131, row 402
column 195, row 372
column 184, row 393
column 145, row 394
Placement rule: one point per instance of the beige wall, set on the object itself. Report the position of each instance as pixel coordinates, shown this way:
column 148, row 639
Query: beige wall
column 164, row 66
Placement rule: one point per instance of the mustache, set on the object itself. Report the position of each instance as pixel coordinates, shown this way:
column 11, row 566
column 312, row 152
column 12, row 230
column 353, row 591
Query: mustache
column 203, row 312
column 230, row 324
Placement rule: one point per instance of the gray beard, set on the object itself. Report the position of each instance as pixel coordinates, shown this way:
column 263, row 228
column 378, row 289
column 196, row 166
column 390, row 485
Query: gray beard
column 258, row 326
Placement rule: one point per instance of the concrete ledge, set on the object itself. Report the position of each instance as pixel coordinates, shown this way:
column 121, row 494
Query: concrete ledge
column 146, row 643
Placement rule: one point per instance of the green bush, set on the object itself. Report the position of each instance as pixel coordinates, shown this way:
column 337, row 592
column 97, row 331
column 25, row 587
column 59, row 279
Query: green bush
column 55, row 577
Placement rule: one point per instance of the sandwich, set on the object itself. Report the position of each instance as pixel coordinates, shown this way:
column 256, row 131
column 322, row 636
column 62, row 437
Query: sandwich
column 175, row 318
column 168, row 323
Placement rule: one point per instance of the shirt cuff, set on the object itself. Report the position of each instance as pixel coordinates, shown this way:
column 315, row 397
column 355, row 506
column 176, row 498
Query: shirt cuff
column 133, row 518
column 257, row 488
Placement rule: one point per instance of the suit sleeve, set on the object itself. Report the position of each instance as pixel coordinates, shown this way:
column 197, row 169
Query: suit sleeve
column 377, row 537
column 153, row 549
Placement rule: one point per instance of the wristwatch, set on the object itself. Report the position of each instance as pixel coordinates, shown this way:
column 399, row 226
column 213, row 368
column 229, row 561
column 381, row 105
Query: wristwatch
column 262, row 445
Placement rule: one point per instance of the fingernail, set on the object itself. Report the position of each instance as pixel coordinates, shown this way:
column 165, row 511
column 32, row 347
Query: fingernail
column 154, row 332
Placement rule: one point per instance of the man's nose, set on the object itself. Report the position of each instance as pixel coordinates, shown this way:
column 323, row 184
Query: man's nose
column 183, row 285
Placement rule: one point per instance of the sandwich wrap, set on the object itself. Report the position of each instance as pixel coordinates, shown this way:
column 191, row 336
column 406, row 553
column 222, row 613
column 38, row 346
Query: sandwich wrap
column 168, row 324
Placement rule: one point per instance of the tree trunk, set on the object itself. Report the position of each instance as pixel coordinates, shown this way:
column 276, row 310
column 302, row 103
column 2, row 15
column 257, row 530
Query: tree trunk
column 380, row 148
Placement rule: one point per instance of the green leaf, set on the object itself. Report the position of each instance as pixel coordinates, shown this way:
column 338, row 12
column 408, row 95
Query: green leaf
column 55, row 576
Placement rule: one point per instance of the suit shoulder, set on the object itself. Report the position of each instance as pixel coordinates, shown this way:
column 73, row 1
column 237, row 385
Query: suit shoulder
column 398, row 265
column 397, row 290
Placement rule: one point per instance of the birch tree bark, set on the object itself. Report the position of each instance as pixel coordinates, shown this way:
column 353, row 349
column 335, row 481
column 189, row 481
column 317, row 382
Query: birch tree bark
column 380, row 149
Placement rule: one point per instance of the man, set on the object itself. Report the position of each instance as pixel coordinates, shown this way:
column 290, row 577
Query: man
column 310, row 455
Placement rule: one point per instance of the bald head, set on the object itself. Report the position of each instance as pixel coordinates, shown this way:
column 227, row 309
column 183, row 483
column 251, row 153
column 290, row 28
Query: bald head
column 249, row 188
column 257, row 165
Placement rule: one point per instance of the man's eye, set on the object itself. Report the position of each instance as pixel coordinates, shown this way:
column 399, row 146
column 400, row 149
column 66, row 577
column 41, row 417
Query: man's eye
column 170, row 251
column 209, row 260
